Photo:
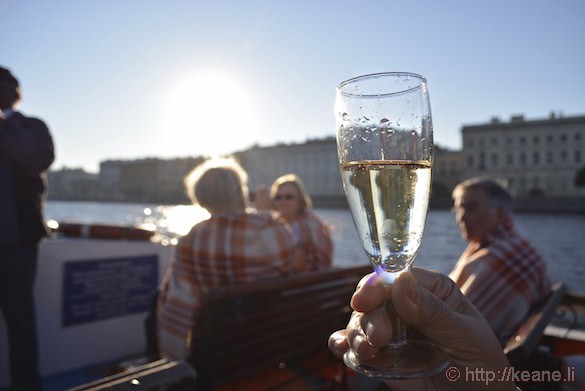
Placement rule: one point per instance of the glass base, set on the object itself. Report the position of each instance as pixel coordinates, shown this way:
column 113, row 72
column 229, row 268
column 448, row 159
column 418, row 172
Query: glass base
column 411, row 360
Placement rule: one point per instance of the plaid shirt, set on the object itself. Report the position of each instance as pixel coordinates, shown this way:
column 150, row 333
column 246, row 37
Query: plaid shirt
column 314, row 238
column 503, row 277
column 226, row 249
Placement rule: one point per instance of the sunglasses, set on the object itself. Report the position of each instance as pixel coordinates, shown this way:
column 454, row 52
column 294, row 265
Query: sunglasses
column 284, row 196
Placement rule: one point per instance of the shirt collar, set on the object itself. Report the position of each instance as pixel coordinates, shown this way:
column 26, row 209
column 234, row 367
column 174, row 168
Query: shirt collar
column 7, row 113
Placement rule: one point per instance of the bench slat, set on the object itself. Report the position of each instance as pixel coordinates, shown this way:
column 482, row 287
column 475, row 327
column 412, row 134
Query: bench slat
column 248, row 328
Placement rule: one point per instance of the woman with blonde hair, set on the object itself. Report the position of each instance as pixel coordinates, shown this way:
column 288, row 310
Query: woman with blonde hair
column 292, row 201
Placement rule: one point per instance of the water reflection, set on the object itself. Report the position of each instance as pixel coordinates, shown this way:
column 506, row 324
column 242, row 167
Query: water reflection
column 168, row 221
column 171, row 222
column 558, row 237
column 179, row 219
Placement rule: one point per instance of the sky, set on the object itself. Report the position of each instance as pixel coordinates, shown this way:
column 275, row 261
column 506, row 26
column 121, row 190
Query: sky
column 140, row 79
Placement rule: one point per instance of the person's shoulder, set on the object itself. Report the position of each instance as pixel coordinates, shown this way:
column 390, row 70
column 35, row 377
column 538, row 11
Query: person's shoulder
column 35, row 121
column 187, row 238
column 311, row 218
column 250, row 218
column 265, row 222
column 194, row 230
column 515, row 247
column 261, row 218
column 479, row 259
column 19, row 120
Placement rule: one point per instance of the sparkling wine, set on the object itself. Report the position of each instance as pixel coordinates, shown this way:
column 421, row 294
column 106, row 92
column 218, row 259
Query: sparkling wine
column 389, row 201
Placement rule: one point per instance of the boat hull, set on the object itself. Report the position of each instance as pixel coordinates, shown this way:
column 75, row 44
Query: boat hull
column 78, row 288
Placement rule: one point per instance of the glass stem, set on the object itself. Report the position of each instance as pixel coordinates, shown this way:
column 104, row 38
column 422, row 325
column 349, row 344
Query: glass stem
column 398, row 325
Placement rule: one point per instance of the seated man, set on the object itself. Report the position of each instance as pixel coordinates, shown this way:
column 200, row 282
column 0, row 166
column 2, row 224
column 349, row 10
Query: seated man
column 235, row 245
column 500, row 272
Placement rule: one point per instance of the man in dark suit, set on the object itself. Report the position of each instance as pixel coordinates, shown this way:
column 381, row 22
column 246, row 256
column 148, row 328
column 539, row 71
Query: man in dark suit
column 26, row 152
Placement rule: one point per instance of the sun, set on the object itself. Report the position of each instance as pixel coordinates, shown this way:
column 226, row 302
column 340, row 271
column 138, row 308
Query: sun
column 208, row 114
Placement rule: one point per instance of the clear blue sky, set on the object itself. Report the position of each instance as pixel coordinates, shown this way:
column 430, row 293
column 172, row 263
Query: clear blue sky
column 105, row 74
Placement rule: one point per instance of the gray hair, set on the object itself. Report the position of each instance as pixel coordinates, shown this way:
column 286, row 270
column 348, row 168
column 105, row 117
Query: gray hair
column 497, row 195
column 218, row 185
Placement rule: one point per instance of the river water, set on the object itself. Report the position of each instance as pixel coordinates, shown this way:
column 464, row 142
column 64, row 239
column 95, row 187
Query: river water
column 559, row 238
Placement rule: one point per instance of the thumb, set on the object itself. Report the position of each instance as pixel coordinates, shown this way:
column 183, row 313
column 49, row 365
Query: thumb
column 443, row 315
column 421, row 308
column 444, row 324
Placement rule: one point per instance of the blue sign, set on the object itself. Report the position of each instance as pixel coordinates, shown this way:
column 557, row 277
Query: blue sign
column 107, row 288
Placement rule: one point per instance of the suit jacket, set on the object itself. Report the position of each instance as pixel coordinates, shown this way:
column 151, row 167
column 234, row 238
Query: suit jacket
column 26, row 152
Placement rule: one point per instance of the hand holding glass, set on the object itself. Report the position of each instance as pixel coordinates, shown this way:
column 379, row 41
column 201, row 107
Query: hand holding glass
column 385, row 149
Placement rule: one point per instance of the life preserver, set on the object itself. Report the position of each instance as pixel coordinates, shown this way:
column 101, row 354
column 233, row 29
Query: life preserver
column 104, row 231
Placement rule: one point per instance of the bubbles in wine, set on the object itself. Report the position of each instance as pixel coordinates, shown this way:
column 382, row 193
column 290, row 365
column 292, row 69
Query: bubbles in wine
column 389, row 203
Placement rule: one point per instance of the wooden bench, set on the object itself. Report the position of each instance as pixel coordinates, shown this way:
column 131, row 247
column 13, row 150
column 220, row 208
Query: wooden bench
column 524, row 342
column 250, row 333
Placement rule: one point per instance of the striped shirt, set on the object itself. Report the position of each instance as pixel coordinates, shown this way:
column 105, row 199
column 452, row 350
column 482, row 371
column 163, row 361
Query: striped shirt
column 226, row 249
column 503, row 277
column 314, row 238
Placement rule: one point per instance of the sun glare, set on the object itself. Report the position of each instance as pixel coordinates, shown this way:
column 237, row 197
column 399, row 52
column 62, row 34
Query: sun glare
column 208, row 114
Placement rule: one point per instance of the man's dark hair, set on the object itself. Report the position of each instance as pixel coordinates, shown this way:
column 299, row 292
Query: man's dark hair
column 7, row 77
column 9, row 89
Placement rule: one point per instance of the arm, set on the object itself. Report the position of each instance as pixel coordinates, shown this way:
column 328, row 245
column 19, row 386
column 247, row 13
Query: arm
column 279, row 246
column 299, row 261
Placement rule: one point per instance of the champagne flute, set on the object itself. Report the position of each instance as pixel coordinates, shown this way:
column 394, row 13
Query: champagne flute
column 385, row 149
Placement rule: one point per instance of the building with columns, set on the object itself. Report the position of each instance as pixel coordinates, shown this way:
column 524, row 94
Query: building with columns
column 533, row 157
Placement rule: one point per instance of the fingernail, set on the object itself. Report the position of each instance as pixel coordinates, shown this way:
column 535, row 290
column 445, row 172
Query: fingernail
column 357, row 342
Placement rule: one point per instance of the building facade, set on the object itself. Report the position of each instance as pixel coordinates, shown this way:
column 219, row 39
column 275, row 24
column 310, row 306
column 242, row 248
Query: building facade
column 157, row 180
column 534, row 158
column 145, row 180
column 314, row 161
column 446, row 171
column 73, row 184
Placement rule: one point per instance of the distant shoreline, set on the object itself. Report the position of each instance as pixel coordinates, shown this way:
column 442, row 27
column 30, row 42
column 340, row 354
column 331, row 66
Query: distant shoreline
column 549, row 205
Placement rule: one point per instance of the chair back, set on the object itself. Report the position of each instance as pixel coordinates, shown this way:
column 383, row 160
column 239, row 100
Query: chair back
column 269, row 324
column 525, row 340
